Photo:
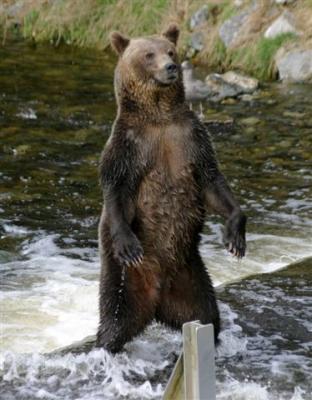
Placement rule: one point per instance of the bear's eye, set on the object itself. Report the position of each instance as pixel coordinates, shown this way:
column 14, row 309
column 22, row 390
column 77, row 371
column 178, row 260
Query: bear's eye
column 149, row 56
column 170, row 53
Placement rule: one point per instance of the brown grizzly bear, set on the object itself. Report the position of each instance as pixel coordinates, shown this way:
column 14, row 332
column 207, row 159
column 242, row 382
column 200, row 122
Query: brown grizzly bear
column 159, row 174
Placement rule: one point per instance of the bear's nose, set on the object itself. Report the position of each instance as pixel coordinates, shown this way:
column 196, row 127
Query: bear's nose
column 171, row 67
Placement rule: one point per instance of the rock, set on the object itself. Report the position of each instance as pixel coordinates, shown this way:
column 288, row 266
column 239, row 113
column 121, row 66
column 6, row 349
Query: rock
column 271, row 102
column 294, row 114
column 250, row 130
column 229, row 101
column 247, row 84
column 216, row 87
column 219, row 88
column 250, row 121
column 229, row 84
column 83, row 134
column 229, row 30
column 283, row 24
column 195, row 89
column 199, row 17
column 294, row 65
column 197, row 41
column 21, row 149
column 246, row 97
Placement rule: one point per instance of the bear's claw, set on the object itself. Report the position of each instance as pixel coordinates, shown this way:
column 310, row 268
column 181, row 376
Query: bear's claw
column 128, row 250
column 234, row 235
column 238, row 248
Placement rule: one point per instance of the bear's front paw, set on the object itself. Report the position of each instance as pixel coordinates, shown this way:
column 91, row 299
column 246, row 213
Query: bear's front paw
column 234, row 235
column 127, row 249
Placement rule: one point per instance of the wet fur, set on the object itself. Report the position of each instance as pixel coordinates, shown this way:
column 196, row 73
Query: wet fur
column 159, row 174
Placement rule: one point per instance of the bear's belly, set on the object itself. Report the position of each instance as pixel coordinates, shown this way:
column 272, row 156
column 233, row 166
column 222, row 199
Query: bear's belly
column 169, row 214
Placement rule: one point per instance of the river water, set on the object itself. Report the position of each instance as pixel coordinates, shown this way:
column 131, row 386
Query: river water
column 56, row 112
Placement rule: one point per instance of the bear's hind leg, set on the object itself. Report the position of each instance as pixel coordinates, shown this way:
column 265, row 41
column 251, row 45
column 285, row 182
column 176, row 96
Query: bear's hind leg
column 189, row 296
column 125, row 308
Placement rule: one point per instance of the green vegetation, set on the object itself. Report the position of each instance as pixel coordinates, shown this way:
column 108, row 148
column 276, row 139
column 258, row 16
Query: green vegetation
column 29, row 21
column 227, row 10
column 86, row 23
column 257, row 58
column 216, row 54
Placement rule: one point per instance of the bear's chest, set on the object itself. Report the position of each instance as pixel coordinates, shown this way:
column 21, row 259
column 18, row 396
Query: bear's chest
column 170, row 153
column 169, row 199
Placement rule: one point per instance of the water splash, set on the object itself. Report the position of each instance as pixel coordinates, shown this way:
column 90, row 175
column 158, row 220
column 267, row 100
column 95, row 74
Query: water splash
column 120, row 291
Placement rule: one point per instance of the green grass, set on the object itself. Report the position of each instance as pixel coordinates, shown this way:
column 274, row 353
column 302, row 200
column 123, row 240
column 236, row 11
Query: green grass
column 88, row 22
column 29, row 22
column 258, row 58
column 217, row 54
column 228, row 10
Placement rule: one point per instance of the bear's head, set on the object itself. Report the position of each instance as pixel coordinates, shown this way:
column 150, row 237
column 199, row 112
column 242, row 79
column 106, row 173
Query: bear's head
column 147, row 64
column 150, row 59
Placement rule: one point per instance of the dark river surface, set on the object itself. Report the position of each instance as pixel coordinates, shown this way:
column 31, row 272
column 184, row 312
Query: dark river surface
column 56, row 112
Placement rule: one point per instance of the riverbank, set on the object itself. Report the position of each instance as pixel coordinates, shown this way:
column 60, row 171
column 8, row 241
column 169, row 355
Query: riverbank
column 261, row 38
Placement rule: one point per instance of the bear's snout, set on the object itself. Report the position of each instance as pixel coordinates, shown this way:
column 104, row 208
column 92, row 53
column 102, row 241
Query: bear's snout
column 171, row 68
column 169, row 73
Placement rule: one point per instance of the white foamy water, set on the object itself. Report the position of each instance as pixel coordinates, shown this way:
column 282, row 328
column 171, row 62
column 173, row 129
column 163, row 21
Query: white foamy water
column 27, row 113
column 51, row 300
column 137, row 373
column 266, row 253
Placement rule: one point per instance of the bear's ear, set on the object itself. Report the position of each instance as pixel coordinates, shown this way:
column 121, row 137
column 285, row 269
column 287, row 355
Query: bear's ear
column 118, row 42
column 172, row 33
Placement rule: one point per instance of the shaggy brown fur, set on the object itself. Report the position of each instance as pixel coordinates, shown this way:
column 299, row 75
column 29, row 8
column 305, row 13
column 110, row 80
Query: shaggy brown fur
column 159, row 173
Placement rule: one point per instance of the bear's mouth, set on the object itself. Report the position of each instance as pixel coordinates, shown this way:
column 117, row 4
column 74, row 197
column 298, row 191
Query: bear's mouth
column 172, row 78
column 166, row 80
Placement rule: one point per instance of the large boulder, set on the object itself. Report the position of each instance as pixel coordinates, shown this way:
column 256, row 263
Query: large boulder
column 230, row 84
column 246, row 83
column 230, row 29
column 220, row 89
column 216, row 87
column 283, row 24
column 294, row 65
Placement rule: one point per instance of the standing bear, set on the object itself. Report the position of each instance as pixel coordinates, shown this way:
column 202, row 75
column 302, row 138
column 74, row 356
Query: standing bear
column 160, row 175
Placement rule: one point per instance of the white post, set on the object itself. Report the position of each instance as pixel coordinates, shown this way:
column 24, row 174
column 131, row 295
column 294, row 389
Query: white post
column 193, row 377
column 199, row 361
